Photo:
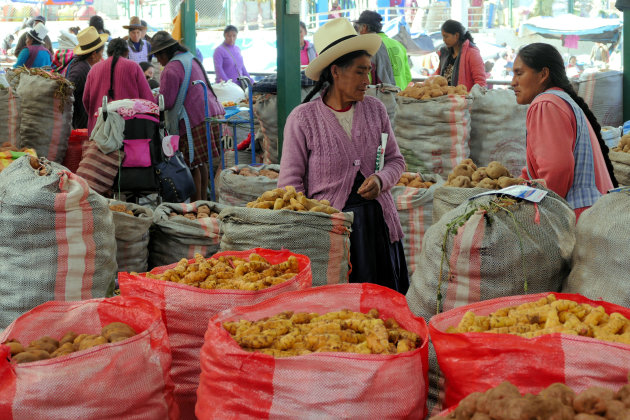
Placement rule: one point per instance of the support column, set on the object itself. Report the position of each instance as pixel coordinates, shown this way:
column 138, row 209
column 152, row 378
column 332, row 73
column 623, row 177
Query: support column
column 189, row 35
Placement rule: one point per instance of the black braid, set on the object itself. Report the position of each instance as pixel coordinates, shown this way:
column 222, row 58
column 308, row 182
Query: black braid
column 540, row 55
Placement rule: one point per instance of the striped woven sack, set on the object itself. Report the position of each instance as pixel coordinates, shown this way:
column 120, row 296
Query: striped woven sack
column 238, row 190
column 56, row 238
column 9, row 115
column 99, row 169
column 132, row 236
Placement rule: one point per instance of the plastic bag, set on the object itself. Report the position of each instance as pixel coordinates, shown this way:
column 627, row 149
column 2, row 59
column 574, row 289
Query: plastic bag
column 239, row 384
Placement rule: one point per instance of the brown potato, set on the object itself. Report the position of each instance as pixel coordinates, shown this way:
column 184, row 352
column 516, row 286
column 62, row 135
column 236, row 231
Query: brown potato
column 559, row 391
column 15, row 347
column 63, row 350
column 46, row 343
column 31, row 355
column 593, row 400
column 68, row 338
column 117, row 331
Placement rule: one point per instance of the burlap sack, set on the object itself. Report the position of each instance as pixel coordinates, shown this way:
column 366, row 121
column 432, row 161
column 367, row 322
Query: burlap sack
column 132, row 236
column 415, row 208
column 497, row 129
column 433, row 134
column 177, row 238
column 447, row 198
column 600, row 264
column 46, row 114
column 603, row 93
column 9, row 115
column 324, row 238
column 621, row 166
column 387, row 94
column 238, row 190
column 56, row 238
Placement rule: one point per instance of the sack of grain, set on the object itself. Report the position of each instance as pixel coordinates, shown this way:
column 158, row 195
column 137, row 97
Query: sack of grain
column 386, row 93
column 435, row 147
column 10, row 114
column 497, row 128
column 174, row 238
column 324, row 238
column 447, row 198
column 132, row 235
column 602, row 92
column 621, row 166
column 238, row 190
column 56, row 238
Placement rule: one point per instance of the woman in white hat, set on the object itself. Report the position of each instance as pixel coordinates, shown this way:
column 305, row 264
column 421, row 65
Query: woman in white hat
column 35, row 54
column 330, row 152
column 86, row 54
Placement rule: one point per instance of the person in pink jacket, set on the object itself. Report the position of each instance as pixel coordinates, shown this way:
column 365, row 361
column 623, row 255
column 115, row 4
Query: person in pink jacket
column 460, row 59
column 564, row 143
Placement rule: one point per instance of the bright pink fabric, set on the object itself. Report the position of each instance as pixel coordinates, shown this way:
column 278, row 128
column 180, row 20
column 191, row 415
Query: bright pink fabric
column 551, row 131
column 472, row 70
column 129, row 83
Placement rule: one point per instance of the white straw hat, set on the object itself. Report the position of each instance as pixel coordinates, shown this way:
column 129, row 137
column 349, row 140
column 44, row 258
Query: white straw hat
column 89, row 40
column 337, row 38
column 38, row 32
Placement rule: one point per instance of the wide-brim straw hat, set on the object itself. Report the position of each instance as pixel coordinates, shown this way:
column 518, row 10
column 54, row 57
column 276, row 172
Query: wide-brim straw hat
column 161, row 40
column 337, row 38
column 89, row 40
column 38, row 32
column 134, row 23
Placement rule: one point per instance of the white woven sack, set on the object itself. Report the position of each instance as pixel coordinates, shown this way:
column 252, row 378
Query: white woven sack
column 238, row 190
column 228, row 91
column 324, row 238
column 601, row 260
column 415, row 209
column 177, row 238
column 46, row 119
column 387, row 94
column 433, row 134
column 132, row 237
column 497, row 129
column 621, row 166
column 9, row 115
column 56, row 239
column 447, row 198
column 602, row 92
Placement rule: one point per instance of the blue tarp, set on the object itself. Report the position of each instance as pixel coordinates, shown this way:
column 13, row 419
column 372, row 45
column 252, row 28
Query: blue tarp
column 588, row 29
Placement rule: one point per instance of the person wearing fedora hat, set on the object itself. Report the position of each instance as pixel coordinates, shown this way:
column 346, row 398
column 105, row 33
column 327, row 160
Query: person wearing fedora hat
column 139, row 48
column 86, row 54
column 186, row 108
column 21, row 44
column 331, row 145
column 35, row 54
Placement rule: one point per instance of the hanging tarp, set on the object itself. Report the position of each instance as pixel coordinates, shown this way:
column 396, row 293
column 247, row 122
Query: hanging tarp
column 588, row 29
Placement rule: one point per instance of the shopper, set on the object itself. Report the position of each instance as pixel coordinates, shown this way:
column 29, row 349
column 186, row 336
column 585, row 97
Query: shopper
column 564, row 143
column 370, row 22
column 149, row 70
column 139, row 48
column 86, row 54
column 460, row 59
column 117, row 78
column 98, row 23
column 185, row 109
column 330, row 150
column 307, row 49
column 382, row 71
column 228, row 61
column 21, row 44
column 35, row 54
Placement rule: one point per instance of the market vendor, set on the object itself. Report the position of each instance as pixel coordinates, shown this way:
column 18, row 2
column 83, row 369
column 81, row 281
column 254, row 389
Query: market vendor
column 330, row 152
column 139, row 48
column 460, row 59
column 564, row 143
column 35, row 54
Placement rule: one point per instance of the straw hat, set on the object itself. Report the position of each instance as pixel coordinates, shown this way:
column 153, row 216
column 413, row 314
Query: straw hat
column 89, row 40
column 135, row 23
column 161, row 40
column 38, row 32
column 335, row 39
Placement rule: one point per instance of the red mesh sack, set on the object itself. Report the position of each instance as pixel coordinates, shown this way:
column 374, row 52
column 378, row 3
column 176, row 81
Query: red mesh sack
column 472, row 362
column 239, row 384
column 187, row 309
column 75, row 149
column 128, row 379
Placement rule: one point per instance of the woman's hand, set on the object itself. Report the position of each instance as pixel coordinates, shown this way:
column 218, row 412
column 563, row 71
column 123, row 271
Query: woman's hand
column 371, row 188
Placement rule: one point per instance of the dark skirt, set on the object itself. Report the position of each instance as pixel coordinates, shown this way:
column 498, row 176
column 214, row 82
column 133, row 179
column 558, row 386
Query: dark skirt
column 373, row 257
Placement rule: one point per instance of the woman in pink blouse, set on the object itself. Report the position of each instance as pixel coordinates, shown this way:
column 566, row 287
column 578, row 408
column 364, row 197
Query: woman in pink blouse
column 564, row 143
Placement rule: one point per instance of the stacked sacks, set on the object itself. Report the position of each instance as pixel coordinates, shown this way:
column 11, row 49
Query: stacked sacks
column 600, row 262
column 9, row 114
column 56, row 238
column 497, row 128
column 386, row 93
column 244, row 183
column 174, row 237
column 435, row 147
column 131, row 223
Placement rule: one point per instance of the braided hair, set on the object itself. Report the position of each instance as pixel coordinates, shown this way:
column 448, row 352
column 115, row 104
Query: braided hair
column 540, row 55
column 325, row 77
column 116, row 48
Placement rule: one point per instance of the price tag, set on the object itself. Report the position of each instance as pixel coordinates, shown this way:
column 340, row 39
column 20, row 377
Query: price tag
column 518, row 191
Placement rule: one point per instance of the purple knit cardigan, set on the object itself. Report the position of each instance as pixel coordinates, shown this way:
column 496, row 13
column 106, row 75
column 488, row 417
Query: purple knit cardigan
column 319, row 159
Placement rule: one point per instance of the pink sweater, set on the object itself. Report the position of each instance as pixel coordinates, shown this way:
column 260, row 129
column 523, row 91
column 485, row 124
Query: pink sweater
column 320, row 160
column 129, row 83
column 472, row 70
column 551, row 131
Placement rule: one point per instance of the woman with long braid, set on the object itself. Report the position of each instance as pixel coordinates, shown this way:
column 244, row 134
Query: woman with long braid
column 330, row 152
column 564, row 143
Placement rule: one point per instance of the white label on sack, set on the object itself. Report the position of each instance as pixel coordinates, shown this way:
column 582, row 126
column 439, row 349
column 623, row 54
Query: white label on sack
column 518, row 191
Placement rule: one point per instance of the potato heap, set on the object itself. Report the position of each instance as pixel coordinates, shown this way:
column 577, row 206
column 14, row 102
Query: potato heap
column 269, row 173
column 296, row 334
column 289, row 199
column 228, row 103
column 49, row 348
column 557, row 402
column 201, row 213
column 227, row 272
column 493, row 177
column 548, row 316
column 624, row 144
column 433, row 87
column 120, row 208
column 413, row 180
